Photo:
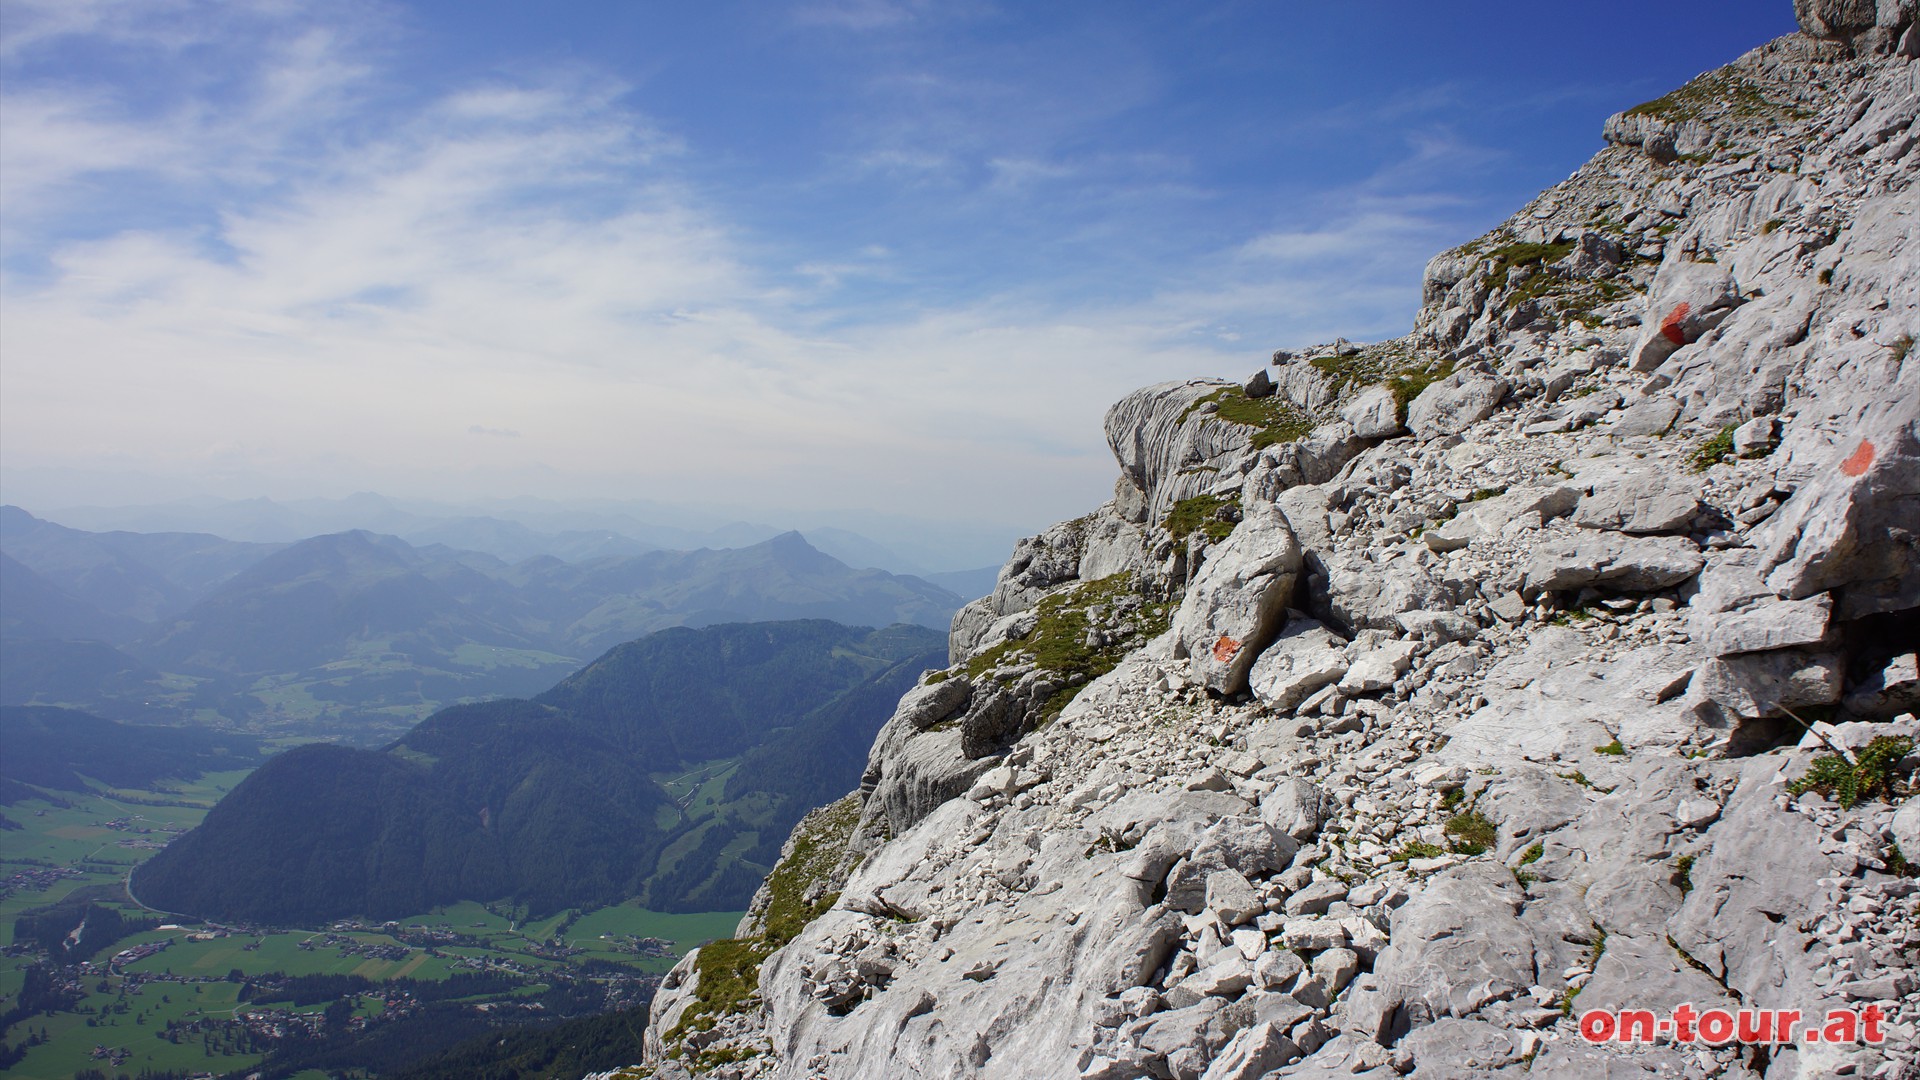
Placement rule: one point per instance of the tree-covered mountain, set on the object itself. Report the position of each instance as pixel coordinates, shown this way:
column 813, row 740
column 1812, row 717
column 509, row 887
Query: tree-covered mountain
column 61, row 748
column 619, row 782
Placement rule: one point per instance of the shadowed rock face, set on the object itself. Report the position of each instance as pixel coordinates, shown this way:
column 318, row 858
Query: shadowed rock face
column 1509, row 711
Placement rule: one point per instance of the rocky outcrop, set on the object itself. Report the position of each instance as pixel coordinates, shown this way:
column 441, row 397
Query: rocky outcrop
column 1555, row 657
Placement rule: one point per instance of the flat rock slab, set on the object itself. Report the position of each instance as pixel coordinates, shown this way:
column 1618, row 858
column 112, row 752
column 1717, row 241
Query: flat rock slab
column 1648, row 503
column 1614, row 560
column 1779, row 625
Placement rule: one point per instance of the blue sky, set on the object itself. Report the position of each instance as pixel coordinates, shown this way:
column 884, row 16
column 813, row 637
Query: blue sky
column 833, row 253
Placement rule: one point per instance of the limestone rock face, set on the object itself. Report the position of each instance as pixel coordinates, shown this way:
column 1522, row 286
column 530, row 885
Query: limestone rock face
column 1543, row 705
column 1303, row 658
column 1166, row 441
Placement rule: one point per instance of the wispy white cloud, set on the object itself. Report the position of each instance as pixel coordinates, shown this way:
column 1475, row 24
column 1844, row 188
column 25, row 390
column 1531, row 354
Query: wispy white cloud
column 344, row 274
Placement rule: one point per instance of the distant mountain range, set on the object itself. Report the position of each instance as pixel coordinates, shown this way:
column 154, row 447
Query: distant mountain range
column 358, row 629
column 515, row 530
column 671, row 769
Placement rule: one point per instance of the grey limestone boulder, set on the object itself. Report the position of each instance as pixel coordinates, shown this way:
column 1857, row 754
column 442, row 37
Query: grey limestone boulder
column 1457, row 402
column 1661, row 140
column 1769, row 683
column 1244, row 844
column 924, row 706
column 1362, row 594
column 1889, row 691
column 1850, row 528
column 1237, row 603
column 1253, row 1053
column 1647, row 415
column 1374, row 414
column 1296, row 807
column 1614, row 561
column 1905, row 829
column 1488, row 518
column 1305, row 657
column 1166, row 441
column 1756, row 437
column 1687, row 300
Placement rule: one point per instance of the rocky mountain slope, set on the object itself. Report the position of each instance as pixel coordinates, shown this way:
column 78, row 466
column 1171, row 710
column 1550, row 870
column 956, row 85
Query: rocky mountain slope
column 1411, row 700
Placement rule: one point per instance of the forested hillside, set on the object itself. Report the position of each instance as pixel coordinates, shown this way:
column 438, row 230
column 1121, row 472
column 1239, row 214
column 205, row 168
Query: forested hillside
column 670, row 769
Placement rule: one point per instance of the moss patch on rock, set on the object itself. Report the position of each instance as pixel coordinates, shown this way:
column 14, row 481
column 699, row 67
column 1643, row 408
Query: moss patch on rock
column 1081, row 633
column 1277, row 419
column 1202, row 513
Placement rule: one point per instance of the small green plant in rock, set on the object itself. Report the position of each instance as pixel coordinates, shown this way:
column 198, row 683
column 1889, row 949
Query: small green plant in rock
column 1417, row 849
column 1612, row 749
column 1532, row 854
column 1713, row 451
column 730, row 968
column 1902, row 345
column 1873, row 775
column 1473, row 832
column 1683, row 873
column 1897, row 863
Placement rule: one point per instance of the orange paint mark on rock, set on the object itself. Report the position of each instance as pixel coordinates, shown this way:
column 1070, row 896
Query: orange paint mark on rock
column 1671, row 325
column 1224, row 649
column 1857, row 462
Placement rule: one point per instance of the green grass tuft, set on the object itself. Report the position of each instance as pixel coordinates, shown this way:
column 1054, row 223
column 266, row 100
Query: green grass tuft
column 1417, row 849
column 1713, row 451
column 1683, row 873
column 1718, row 91
column 1202, row 513
column 1612, row 749
column 1473, row 832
